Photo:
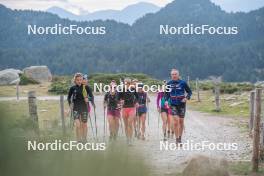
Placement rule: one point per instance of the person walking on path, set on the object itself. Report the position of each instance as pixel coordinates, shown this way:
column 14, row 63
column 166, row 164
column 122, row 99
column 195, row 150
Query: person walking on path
column 143, row 99
column 167, row 121
column 112, row 106
column 129, row 99
column 78, row 98
column 177, row 93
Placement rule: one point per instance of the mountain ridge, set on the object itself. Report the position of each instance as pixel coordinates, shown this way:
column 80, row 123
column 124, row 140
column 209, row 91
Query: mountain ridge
column 127, row 15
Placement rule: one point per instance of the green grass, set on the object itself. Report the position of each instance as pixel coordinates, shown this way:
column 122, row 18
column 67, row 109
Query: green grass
column 244, row 168
column 16, row 129
column 207, row 104
column 48, row 111
column 15, row 159
column 225, row 87
column 10, row 90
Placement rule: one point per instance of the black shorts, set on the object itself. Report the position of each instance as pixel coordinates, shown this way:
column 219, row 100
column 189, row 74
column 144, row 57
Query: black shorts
column 81, row 115
column 141, row 110
column 140, row 113
column 164, row 110
column 178, row 110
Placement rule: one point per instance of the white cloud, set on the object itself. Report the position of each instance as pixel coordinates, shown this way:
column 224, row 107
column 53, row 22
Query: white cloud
column 94, row 5
column 239, row 5
column 73, row 5
column 32, row 4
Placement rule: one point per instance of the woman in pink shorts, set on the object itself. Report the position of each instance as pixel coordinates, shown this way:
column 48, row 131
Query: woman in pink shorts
column 129, row 98
column 165, row 113
column 112, row 103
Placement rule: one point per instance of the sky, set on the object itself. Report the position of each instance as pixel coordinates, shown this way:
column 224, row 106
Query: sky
column 78, row 6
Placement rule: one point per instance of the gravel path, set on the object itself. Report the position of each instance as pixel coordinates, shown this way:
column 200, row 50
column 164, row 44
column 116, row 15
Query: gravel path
column 198, row 127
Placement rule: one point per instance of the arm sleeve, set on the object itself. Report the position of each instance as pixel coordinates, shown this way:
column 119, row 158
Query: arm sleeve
column 105, row 97
column 188, row 90
column 148, row 99
column 137, row 97
column 167, row 93
column 90, row 94
column 118, row 100
column 70, row 95
column 120, row 96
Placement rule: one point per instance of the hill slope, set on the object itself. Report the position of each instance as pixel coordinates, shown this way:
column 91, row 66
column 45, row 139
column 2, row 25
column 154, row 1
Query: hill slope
column 140, row 47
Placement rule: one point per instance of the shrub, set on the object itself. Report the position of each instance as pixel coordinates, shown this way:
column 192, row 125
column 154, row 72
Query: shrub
column 25, row 80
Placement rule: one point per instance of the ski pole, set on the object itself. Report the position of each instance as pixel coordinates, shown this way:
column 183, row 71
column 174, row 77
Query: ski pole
column 95, row 123
column 71, row 116
column 137, row 125
column 104, row 125
column 159, row 123
column 165, row 130
column 148, row 114
column 121, row 117
column 71, row 119
column 121, row 125
column 91, row 124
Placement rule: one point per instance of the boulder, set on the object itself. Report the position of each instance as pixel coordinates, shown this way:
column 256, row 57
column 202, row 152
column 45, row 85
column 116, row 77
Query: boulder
column 259, row 84
column 236, row 104
column 38, row 73
column 9, row 76
column 205, row 166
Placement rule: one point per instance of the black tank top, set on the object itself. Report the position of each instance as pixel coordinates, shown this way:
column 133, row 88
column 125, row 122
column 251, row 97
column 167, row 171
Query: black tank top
column 112, row 101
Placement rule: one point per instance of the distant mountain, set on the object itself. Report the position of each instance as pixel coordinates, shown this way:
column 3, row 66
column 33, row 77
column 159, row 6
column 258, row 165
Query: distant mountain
column 128, row 15
column 200, row 12
column 62, row 13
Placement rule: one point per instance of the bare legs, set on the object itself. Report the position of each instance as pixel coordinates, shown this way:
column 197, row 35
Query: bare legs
column 113, row 126
column 167, row 124
column 164, row 118
column 170, row 126
column 142, row 123
column 128, row 118
column 81, row 130
column 84, row 131
column 178, row 126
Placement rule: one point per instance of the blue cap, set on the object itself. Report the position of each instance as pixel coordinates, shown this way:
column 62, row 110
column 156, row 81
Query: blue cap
column 85, row 77
column 140, row 85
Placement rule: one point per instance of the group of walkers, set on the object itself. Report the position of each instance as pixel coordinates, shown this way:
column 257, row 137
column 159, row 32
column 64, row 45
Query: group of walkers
column 130, row 107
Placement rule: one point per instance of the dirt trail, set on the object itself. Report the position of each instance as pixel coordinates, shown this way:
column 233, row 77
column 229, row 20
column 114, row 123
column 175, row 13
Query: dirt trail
column 198, row 127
